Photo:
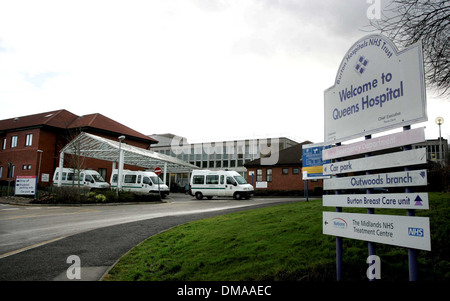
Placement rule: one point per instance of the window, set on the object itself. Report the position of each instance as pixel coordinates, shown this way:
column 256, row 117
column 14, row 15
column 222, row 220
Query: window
column 88, row 178
column 240, row 180
column 74, row 176
column 1, row 171
column 146, row 180
column 98, row 178
column 13, row 141
column 29, row 140
column 231, row 181
column 285, row 171
column 225, row 153
column 63, row 177
column 269, row 175
column 11, row 171
column 156, row 180
column 259, row 175
column 222, row 179
column 102, row 172
column 295, row 171
column 198, row 180
column 212, row 179
column 247, row 152
column 4, row 143
column 130, row 179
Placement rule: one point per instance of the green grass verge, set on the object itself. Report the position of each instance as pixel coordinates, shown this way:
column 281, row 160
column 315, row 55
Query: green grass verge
column 283, row 242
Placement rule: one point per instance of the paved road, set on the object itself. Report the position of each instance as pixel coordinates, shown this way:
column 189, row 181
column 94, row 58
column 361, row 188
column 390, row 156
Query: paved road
column 36, row 241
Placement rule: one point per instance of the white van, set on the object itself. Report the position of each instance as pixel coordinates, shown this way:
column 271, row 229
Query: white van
column 219, row 183
column 89, row 179
column 140, row 181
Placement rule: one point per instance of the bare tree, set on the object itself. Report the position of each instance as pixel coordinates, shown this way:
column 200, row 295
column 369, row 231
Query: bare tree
column 409, row 21
column 75, row 160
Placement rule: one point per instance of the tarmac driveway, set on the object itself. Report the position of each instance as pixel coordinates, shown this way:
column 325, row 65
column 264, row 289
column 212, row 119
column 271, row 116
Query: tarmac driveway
column 100, row 248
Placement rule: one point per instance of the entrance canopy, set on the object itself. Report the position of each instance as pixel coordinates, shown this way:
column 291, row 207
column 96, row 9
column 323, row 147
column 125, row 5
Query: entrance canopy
column 91, row 146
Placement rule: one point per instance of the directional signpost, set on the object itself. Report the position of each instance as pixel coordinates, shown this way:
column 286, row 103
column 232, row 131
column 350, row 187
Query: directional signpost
column 312, row 163
column 395, row 179
column 376, row 144
column 403, row 231
column 377, row 88
column 407, row 158
column 25, row 185
column 382, row 201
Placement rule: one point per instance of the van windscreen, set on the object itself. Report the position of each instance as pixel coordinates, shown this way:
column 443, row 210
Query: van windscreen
column 156, row 180
column 98, row 178
column 240, row 180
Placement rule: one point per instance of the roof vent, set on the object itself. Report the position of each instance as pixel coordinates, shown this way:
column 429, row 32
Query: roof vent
column 16, row 119
column 49, row 115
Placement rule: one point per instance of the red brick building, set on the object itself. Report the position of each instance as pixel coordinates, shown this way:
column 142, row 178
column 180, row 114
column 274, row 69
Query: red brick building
column 28, row 140
column 285, row 175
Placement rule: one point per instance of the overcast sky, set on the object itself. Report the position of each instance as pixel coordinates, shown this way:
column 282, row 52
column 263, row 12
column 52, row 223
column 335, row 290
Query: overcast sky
column 208, row 70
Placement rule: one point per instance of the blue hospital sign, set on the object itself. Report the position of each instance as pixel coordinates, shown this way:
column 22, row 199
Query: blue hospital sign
column 312, row 162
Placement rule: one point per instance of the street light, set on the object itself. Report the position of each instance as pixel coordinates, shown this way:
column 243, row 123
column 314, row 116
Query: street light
column 439, row 121
column 119, row 172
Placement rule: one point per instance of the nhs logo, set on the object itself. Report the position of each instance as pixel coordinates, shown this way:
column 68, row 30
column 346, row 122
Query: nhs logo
column 415, row 232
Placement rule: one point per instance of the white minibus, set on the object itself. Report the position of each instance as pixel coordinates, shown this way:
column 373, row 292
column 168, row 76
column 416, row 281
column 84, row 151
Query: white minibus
column 89, row 179
column 140, row 181
column 221, row 183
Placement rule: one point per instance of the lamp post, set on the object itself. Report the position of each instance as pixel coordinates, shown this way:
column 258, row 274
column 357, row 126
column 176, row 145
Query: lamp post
column 119, row 172
column 439, row 121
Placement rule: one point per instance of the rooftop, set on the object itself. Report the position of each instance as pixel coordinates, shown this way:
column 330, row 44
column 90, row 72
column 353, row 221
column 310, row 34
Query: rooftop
column 67, row 120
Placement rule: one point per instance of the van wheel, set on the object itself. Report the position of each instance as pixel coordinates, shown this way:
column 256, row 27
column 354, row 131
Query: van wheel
column 198, row 195
column 238, row 196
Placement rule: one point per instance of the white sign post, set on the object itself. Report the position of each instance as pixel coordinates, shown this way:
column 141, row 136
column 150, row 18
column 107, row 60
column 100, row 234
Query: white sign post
column 403, row 231
column 382, row 201
column 376, row 144
column 25, row 185
column 407, row 158
column 395, row 179
column 377, row 88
